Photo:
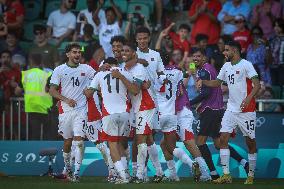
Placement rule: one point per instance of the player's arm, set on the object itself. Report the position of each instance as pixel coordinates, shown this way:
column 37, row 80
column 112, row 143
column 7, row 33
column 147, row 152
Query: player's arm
column 132, row 87
column 251, row 95
column 211, row 83
column 204, row 90
column 54, row 92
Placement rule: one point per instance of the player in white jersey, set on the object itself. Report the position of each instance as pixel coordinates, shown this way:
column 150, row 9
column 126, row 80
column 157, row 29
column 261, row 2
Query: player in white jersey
column 66, row 85
column 243, row 85
column 143, row 106
column 114, row 86
column 168, row 122
column 155, row 68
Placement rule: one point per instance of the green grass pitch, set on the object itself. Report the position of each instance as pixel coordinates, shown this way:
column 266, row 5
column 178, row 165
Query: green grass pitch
column 29, row 182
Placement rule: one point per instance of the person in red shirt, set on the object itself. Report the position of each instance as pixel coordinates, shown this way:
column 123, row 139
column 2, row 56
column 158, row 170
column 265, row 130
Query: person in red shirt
column 179, row 38
column 242, row 35
column 203, row 15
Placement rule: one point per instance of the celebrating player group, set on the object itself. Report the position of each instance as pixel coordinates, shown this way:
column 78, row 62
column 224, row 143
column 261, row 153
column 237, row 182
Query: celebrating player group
column 138, row 93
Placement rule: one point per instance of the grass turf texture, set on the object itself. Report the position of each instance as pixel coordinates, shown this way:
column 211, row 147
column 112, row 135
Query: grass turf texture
column 29, row 182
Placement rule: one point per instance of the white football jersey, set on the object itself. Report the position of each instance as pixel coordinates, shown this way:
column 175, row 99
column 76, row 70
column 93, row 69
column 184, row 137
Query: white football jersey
column 238, row 77
column 72, row 81
column 155, row 63
column 144, row 100
column 167, row 99
column 114, row 93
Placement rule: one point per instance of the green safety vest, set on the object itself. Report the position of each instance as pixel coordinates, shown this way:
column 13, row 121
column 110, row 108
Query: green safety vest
column 36, row 99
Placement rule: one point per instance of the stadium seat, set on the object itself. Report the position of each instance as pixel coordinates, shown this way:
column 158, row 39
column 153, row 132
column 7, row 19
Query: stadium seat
column 25, row 46
column 277, row 90
column 28, row 29
column 121, row 4
column 140, row 8
column 81, row 4
column 32, row 9
column 51, row 6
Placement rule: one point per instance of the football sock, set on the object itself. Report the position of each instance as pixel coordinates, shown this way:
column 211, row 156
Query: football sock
column 79, row 151
column 172, row 168
column 206, row 154
column 252, row 163
column 154, row 157
column 225, row 160
column 180, row 154
column 141, row 158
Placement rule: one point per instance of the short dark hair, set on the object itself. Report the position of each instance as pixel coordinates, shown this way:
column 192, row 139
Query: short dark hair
column 39, row 27
column 109, row 9
column 131, row 45
column 200, row 37
column 70, row 46
column 88, row 29
column 234, row 44
column 184, row 26
column 280, row 23
column 257, row 28
column 202, row 51
column 142, row 29
column 36, row 58
column 165, row 58
column 118, row 38
column 7, row 52
column 111, row 60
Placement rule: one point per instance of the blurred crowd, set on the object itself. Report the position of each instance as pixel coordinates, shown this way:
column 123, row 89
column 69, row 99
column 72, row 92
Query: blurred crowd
column 38, row 31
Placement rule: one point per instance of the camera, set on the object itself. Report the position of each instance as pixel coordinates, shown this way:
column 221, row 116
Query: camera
column 137, row 19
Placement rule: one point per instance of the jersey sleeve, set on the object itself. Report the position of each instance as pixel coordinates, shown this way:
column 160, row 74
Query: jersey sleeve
column 127, row 75
column 161, row 67
column 139, row 76
column 221, row 76
column 251, row 73
column 95, row 82
column 55, row 78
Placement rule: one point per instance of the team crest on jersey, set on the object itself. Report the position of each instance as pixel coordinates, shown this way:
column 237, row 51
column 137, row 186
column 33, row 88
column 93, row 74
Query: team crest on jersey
column 82, row 74
column 152, row 59
column 237, row 72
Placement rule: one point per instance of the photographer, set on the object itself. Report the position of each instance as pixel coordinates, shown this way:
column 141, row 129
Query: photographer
column 135, row 20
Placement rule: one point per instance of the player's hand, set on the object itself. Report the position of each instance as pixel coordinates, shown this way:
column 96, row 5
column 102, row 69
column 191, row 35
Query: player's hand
column 245, row 103
column 143, row 62
column 116, row 74
column 198, row 84
column 72, row 103
column 105, row 67
column 146, row 84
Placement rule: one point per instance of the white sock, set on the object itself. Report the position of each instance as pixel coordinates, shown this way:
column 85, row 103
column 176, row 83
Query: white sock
column 225, row 160
column 120, row 169
column 134, row 169
column 154, row 157
column 67, row 158
column 172, row 168
column 181, row 155
column 203, row 166
column 124, row 162
column 141, row 159
column 79, row 152
column 252, row 163
column 243, row 162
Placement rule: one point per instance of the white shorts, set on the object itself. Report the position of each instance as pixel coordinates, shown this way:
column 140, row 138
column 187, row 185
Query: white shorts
column 132, row 119
column 156, row 120
column 246, row 122
column 145, row 122
column 71, row 123
column 93, row 130
column 168, row 123
column 115, row 126
column 184, row 124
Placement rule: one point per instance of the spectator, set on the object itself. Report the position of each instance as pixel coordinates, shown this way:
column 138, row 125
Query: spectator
column 242, row 34
column 227, row 15
column 61, row 23
column 177, row 59
column 12, row 44
column 270, row 106
column 10, row 76
column 203, row 16
column 93, row 50
column 277, row 46
column 110, row 28
column 258, row 54
column 49, row 54
column 37, row 101
column 86, row 17
column 201, row 43
column 190, row 78
column 179, row 39
column 264, row 14
column 158, row 14
column 135, row 20
column 164, row 41
column 14, row 15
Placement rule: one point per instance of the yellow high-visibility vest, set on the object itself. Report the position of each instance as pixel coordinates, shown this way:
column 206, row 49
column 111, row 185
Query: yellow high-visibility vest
column 36, row 99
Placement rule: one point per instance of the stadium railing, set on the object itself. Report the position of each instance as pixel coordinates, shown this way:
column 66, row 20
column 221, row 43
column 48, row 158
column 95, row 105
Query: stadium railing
column 17, row 109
